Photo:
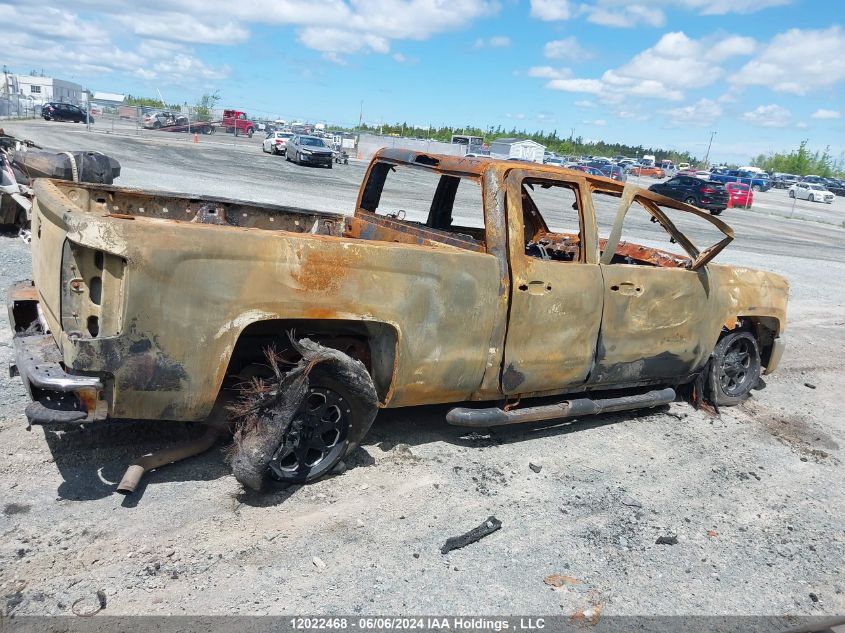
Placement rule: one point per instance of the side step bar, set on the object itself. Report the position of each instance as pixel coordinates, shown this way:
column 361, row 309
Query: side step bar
column 463, row 416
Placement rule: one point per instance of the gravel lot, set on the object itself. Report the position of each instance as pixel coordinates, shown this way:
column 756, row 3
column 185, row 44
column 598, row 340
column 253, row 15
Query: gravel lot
column 755, row 496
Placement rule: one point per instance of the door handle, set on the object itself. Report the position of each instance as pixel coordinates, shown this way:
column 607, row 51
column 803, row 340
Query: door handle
column 535, row 287
column 627, row 288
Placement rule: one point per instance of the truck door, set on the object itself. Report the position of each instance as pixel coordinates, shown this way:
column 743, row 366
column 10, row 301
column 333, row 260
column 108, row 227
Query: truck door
column 556, row 284
column 658, row 320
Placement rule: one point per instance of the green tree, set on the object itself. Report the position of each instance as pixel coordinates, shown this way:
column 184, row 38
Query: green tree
column 206, row 104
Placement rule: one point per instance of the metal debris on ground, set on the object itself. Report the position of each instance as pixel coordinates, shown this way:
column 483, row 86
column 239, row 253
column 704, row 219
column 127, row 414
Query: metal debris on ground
column 557, row 580
column 535, row 467
column 668, row 539
column 476, row 534
column 629, row 501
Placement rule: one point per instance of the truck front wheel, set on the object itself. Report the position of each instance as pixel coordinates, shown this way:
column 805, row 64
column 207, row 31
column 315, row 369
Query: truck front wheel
column 249, row 132
column 734, row 369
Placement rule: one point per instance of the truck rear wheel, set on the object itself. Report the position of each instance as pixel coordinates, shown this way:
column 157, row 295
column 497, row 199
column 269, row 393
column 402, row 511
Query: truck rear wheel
column 300, row 428
column 734, row 369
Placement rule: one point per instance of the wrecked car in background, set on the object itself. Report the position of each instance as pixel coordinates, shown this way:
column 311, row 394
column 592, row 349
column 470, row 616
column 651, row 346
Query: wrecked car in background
column 23, row 161
column 150, row 305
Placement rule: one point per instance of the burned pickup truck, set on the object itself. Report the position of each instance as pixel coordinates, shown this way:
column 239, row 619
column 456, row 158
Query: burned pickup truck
column 505, row 288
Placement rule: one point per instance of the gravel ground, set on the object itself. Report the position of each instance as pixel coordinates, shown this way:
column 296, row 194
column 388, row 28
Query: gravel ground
column 754, row 497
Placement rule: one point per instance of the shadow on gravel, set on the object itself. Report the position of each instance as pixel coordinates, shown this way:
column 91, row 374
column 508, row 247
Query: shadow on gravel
column 423, row 425
column 92, row 458
column 277, row 493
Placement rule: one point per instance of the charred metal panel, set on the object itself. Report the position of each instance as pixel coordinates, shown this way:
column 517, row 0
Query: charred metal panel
column 555, row 311
column 192, row 288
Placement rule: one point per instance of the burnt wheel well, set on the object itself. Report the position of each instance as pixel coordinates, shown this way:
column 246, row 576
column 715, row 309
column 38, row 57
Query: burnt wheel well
column 764, row 329
column 373, row 343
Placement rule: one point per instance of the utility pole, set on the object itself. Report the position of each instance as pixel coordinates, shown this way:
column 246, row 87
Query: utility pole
column 707, row 156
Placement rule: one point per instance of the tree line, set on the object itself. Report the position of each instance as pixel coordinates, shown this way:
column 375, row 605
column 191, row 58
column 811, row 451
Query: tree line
column 571, row 146
column 802, row 162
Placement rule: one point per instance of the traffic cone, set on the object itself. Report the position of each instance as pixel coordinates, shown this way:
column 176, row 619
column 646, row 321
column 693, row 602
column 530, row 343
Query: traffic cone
column 196, row 138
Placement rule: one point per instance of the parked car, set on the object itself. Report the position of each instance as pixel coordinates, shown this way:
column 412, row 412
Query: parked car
column 836, row 186
column 588, row 170
column 758, row 181
column 811, row 191
column 683, row 166
column 831, row 184
column 740, row 194
column 276, row 142
column 709, row 195
column 615, row 172
column 784, row 181
column 308, row 149
column 647, row 170
column 704, row 175
column 55, row 111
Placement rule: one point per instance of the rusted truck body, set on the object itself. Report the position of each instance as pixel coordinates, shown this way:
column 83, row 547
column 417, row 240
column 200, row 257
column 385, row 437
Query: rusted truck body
column 145, row 305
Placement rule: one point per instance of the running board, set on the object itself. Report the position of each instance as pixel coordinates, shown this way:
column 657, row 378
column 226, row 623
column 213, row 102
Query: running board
column 463, row 416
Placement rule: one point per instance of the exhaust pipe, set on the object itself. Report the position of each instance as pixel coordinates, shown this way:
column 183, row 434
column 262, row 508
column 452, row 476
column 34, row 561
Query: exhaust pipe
column 463, row 416
column 166, row 456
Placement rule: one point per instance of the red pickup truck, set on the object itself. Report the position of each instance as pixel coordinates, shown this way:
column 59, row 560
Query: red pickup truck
column 237, row 122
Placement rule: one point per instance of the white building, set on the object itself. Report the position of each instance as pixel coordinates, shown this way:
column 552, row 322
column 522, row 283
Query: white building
column 44, row 89
column 517, row 148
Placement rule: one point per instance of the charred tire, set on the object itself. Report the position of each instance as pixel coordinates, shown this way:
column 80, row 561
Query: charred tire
column 333, row 423
column 734, row 369
column 156, row 125
column 791, row 194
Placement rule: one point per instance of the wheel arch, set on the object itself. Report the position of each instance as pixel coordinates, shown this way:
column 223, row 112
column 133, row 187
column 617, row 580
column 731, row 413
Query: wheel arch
column 765, row 330
column 374, row 343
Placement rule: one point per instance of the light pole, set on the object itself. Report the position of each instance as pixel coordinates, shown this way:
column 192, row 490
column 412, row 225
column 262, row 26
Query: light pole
column 707, row 156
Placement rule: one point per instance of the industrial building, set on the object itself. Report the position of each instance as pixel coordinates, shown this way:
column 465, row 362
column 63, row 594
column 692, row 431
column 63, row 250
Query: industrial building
column 524, row 149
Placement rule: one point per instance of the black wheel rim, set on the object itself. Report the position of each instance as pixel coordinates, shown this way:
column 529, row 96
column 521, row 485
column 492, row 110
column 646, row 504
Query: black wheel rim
column 737, row 371
column 316, row 438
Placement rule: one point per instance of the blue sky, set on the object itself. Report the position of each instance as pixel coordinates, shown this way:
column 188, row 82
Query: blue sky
column 763, row 74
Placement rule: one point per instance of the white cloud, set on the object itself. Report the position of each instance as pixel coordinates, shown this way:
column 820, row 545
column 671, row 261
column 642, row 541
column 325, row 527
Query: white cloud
column 548, row 72
column 182, row 27
column 702, row 113
column 797, row 61
column 497, row 41
column 801, row 125
column 335, row 28
column 722, row 7
column 585, row 104
column 52, row 23
column 592, row 86
column 550, row 10
column 771, row 115
column 626, row 16
column 519, row 116
column 567, row 48
column 676, row 63
column 596, row 122
column 826, row 114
